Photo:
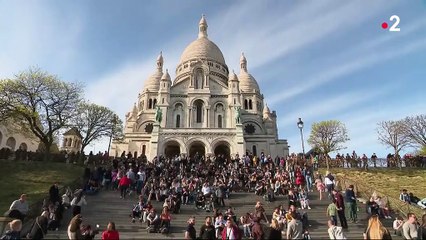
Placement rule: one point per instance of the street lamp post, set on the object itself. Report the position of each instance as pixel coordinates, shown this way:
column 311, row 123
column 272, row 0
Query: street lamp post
column 300, row 126
column 114, row 122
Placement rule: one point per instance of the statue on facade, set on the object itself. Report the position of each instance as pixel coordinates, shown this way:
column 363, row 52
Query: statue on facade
column 158, row 115
column 237, row 114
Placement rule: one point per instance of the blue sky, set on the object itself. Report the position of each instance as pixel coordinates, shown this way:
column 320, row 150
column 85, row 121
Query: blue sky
column 317, row 60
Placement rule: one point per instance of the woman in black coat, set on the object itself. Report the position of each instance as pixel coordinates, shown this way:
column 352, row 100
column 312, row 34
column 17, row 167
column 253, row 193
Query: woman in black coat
column 39, row 227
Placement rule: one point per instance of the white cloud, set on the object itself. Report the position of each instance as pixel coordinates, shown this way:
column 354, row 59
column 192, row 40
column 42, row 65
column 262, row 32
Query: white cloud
column 333, row 73
column 332, row 105
column 32, row 36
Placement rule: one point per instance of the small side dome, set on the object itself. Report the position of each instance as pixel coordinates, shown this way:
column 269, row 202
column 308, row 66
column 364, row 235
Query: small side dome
column 247, row 81
column 233, row 76
column 152, row 83
column 166, row 76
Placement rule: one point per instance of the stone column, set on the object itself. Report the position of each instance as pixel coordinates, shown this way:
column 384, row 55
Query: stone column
column 207, row 116
column 155, row 135
column 189, row 116
column 239, row 140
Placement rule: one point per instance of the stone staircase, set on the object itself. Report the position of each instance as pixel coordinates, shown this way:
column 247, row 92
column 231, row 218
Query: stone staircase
column 107, row 206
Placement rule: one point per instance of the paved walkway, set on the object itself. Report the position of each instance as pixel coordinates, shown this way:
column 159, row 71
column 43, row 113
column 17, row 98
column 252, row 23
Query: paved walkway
column 107, row 205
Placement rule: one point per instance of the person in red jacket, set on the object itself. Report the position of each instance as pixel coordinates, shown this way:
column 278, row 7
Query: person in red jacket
column 124, row 185
column 300, row 180
column 231, row 231
column 110, row 233
column 340, row 204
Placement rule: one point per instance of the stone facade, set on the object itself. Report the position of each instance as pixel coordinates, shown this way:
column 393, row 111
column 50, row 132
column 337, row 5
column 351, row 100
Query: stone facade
column 15, row 140
column 71, row 141
column 206, row 109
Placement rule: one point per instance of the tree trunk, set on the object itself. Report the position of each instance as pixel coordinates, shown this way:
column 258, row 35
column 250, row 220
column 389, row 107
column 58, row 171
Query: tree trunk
column 327, row 162
column 398, row 159
column 47, row 155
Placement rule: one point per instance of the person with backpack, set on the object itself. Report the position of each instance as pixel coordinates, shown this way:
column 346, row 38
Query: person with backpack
column 335, row 232
column 39, row 228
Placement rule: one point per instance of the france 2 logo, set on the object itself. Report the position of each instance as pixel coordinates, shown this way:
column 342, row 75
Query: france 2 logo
column 394, row 27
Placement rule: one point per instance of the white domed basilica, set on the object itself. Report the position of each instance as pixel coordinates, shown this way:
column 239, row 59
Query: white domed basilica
column 206, row 109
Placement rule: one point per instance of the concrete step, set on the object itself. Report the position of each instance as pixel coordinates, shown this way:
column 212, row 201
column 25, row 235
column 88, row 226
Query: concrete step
column 107, row 206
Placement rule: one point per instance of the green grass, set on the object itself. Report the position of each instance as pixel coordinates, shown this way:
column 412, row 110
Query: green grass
column 388, row 182
column 33, row 179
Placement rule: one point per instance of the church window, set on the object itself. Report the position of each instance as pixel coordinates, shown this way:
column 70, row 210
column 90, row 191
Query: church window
column 235, row 101
column 162, row 100
column 219, row 121
column 250, row 104
column 150, row 104
column 249, row 128
column 254, row 150
column 149, row 127
column 199, row 110
column 233, row 85
column 164, row 84
column 245, row 104
column 155, row 103
column 178, row 121
column 198, row 82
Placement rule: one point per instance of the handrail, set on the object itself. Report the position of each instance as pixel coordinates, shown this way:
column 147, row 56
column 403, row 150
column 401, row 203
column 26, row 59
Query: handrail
column 364, row 191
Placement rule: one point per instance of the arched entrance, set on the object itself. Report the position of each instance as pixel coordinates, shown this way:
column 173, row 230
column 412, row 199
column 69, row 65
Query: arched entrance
column 11, row 143
column 171, row 149
column 222, row 149
column 197, row 148
column 23, row 146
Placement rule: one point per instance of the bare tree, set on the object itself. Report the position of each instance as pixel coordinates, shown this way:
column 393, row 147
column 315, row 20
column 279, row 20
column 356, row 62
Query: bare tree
column 40, row 103
column 328, row 136
column 95, row 122
column 392, row 134
column 415, row 130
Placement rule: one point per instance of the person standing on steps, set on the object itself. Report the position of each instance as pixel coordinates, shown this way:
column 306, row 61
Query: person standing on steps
column 191, row 233
column 207, row 231
column 124, row 184
column 340, row 208
column 78, row 201
column 332, row 212
column 351, row 203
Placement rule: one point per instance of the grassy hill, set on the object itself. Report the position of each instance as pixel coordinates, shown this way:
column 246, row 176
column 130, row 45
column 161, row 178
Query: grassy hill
column 32, row 178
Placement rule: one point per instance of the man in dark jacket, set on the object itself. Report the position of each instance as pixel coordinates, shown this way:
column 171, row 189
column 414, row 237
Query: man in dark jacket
column 340, row 208
column 39, row 227
column 351, row 202
column 207, row 231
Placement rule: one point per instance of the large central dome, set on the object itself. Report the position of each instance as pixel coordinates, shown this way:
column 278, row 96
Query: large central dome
column 202, row 48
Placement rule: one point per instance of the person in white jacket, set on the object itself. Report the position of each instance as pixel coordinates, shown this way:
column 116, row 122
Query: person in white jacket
column 335, row 232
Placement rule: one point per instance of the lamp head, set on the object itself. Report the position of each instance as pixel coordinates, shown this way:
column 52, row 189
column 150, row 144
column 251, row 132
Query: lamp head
column 300, row 123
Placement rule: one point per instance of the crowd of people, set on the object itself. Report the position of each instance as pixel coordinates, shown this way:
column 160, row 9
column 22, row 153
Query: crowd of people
column 206, row 183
